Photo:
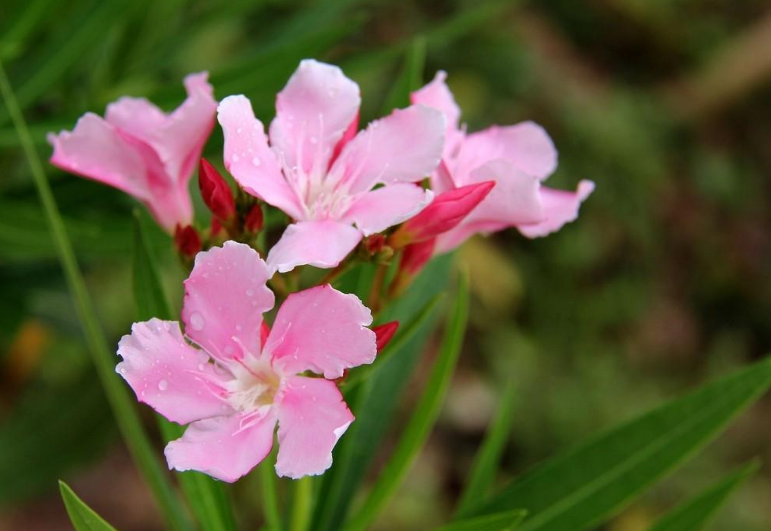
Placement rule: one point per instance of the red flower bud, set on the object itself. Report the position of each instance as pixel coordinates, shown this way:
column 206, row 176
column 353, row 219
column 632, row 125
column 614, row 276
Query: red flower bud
column 444, row 213
column 384, row 333
column 415, row 256
column 215, row 192
column 374, row 243
column 187, row 241
column 254, row 220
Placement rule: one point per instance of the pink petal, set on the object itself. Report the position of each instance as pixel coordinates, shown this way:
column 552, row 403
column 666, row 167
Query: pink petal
column 166, row 373
column 526, row 145
column 437, row 95
column 249, row 159
column 560, row 207
column 404, row 146
column 313, row 112
column 321, row 244
column 95, row 149
column 385, row 207
column 321, row 330
column 312, row 416
column 225, row 297
column 178, row 138
column 225, row 448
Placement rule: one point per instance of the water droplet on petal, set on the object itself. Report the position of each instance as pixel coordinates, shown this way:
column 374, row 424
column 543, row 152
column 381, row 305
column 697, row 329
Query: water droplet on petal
column 228, row 350
column 239, row 327
column 235, row 157
column 163, row 385
column 201, row 367
column 314, row 140
column 256, row 161
column 197, row 321
column 250, row 292
column 239, row 130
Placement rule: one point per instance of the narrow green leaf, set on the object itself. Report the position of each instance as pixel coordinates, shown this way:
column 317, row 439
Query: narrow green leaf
column 505, row 521
column 207, row 498
column 81, row 515
column 375, row 400
column 586, row 485
column 697, row 512
column 268, row 484
column 301, row 504
column 422, row 421
column 487, row 459
column 410, row 78
column 403, row 336
column 104, row 360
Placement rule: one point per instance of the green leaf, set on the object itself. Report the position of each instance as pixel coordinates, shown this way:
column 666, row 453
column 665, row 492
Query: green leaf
column 586, row 485
column 422, row 421
column 487, row 459
column 697, row 512
column 492, row 522
column 410, row 78
column 103, row 358
column 207, row 498
column 374, row 401
column 81, row 515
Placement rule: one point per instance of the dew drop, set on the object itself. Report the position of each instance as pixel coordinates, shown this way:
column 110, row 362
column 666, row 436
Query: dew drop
column 163, row 385
column 256, row 161
column 239, row 130
column 314, row 140
column 235, row 157
column 239, row 327
column 201, row 367
column 228, row 350
column 196, row 321
column 250, row 292
column 332, row 93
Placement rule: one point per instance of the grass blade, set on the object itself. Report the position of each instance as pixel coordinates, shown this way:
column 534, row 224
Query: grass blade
column 207, row 498
column 585, row 486
column 505, row 521
column 104, row 360
column 426, row 412
column 486, row 461
column 697, row 512
column 83, row 518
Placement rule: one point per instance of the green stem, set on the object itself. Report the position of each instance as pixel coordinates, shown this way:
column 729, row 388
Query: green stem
column 104, row 360
column 301, row 504
column 269, row 497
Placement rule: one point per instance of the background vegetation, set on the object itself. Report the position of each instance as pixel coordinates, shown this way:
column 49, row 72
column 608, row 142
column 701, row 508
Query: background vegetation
column 662, row 284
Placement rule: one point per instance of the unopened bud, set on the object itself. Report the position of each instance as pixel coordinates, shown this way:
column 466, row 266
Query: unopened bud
column 215, row 192
column 384, row 333
column 187, row 241
column 254, row 220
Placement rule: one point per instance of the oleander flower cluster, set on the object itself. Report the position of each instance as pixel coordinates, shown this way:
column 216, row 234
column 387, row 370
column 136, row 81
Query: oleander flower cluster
column 314, row 189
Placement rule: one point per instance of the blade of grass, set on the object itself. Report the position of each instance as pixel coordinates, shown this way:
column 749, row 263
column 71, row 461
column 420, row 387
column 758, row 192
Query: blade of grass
column 268, row 483
column 487, row 459
column 505, row 521
column 83, row 517
column 426, row 412
column 696, row 513
column 207, row 499
column 104, row 360
column 301, row 504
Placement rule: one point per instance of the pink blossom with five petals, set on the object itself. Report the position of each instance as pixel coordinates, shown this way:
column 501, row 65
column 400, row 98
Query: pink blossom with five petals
column 323, row 174
column 517, row 157
column 139, row 149
column 233, row 380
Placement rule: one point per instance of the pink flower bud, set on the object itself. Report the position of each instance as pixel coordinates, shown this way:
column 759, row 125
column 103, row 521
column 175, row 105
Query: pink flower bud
column 443, row 214
column 414, row 257
column 384, row 333
column 187, row 241
column 215, row 192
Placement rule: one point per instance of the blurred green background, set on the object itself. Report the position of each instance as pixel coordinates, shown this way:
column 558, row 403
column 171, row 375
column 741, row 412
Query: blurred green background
column 660, row 285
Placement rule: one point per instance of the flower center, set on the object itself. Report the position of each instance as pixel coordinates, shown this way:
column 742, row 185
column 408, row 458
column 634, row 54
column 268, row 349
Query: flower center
column 256, row 386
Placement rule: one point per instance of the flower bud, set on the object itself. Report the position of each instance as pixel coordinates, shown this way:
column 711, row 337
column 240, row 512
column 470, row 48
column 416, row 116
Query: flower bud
column 254, row 220
column 414, row 257
column 216, row 193
column 443, row 214
column 384, row 333
column 187, row 241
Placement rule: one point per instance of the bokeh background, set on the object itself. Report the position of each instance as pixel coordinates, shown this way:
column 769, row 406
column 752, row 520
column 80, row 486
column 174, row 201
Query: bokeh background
column 660, row 285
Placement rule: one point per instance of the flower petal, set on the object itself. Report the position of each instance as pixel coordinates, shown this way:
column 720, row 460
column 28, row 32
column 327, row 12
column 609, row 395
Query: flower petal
column 166, row 373
column 95, row 149
column 313, row 112
column 225, row 297
column 225, row 448
column 249, row 159
column 437, row 95
column 178, row 138
column 385, row 207
column 312, row 416
column 560, row 207
column 321, row 244
column 404, row 146
column 526, row 145
column 321, row 330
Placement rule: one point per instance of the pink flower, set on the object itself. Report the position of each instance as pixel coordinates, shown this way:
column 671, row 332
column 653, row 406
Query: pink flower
column 233, row 379
column 323, row 174
column 139, row 149
column 517, row 157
